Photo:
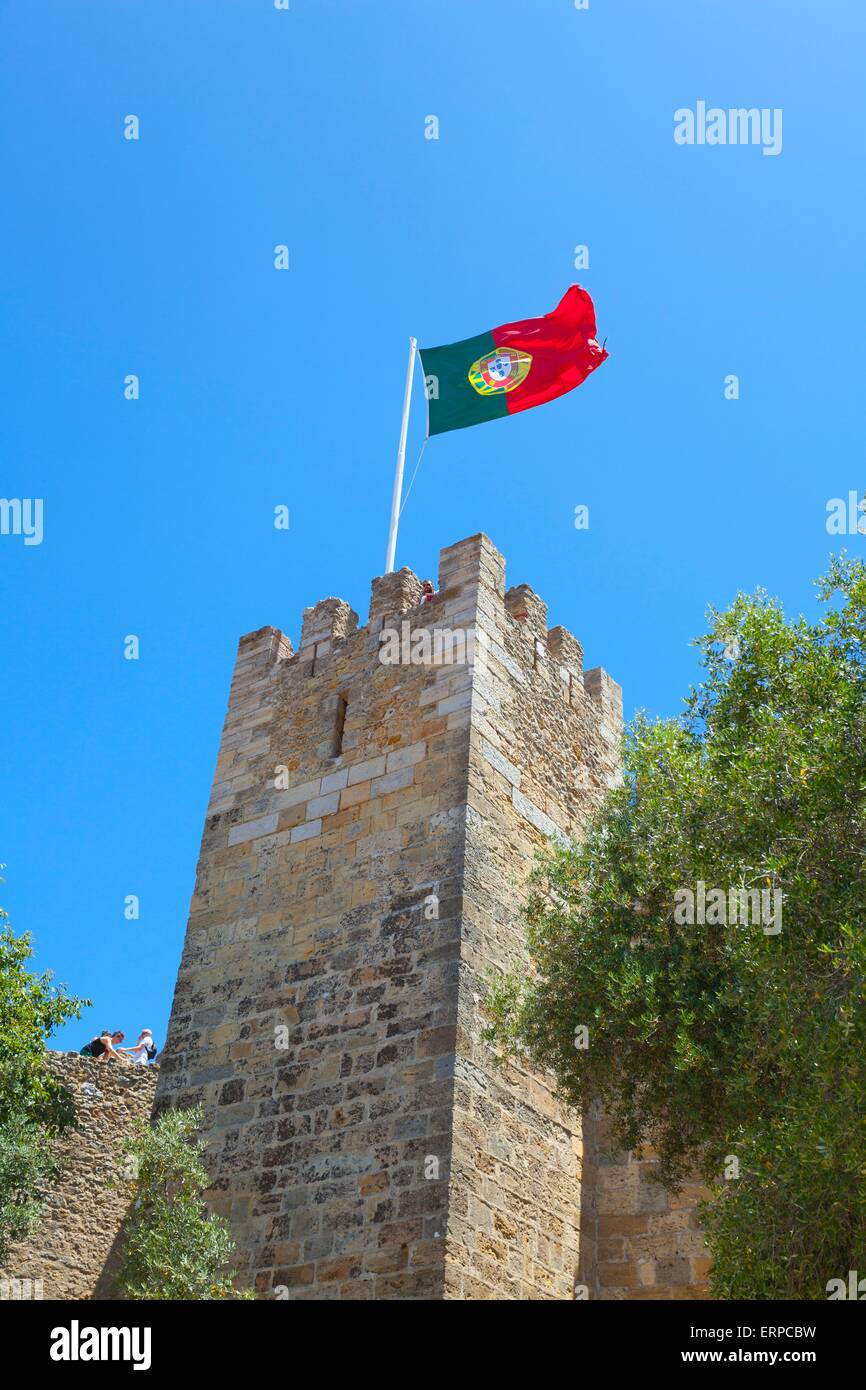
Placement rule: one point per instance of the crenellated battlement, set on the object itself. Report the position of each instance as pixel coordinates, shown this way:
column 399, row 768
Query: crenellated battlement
column 466, row 652
column 471, row 572
column 470, row 649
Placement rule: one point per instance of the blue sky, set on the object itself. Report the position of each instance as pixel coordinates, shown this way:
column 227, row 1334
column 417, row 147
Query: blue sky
column 155, row 257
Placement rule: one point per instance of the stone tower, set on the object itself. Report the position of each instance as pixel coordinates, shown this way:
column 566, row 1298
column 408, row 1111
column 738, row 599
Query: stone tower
column 378, row 799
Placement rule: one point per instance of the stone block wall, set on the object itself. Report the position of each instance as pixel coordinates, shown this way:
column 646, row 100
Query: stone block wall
column 540, row 755
column 72, row 1251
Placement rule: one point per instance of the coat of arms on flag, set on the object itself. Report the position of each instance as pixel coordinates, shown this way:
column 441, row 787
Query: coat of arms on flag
column 501, row 370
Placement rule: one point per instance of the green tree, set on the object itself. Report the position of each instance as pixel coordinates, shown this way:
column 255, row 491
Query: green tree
column 172, row 1247
column 34, row 1105
column 715, row 1040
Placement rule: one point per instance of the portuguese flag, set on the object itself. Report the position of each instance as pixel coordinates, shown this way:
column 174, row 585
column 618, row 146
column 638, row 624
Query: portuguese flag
column 513, row 367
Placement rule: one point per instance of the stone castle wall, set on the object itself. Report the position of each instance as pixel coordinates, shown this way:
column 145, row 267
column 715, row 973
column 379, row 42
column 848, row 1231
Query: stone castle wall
column 72, row 1250
column 370, row 831
column 364, row 857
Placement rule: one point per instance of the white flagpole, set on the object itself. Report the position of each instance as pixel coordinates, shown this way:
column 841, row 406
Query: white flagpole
column 401, row 459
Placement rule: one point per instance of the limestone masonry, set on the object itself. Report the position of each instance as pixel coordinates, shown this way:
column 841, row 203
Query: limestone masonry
column 369, row 834
column 73, row 1249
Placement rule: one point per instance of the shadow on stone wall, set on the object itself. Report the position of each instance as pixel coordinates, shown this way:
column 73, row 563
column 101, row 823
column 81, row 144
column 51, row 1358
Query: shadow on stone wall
column 648, row 1243
column 107, row 1288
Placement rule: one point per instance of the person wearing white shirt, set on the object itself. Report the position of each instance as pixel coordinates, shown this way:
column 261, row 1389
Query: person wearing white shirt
column 139, row 1055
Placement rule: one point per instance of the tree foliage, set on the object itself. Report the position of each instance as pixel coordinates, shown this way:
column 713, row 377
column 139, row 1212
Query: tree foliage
column 713, row 1040
column 34, row 1105
column 173, row 1249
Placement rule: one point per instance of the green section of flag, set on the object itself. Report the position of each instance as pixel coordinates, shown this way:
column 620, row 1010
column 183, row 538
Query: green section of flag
column 452, row 401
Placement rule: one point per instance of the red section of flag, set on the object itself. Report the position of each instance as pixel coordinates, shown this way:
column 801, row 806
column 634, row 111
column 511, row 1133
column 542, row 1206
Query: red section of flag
column 563, row 347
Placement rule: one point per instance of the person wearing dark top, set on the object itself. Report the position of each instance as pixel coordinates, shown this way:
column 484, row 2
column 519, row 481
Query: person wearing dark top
column 102, row 1046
